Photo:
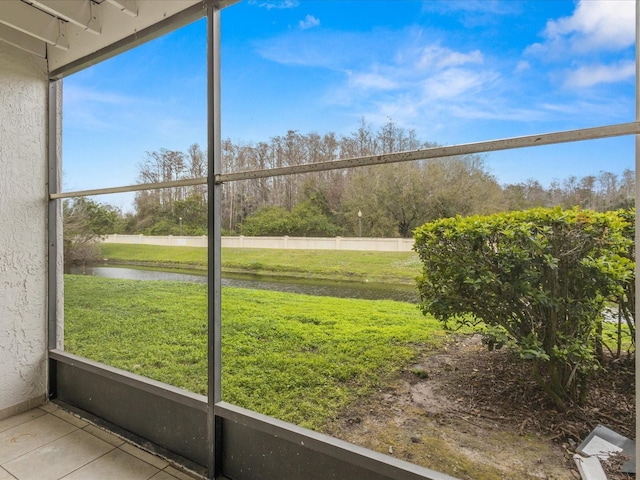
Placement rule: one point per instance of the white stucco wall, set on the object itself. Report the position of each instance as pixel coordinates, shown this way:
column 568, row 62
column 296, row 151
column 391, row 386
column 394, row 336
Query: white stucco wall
column 23, row 220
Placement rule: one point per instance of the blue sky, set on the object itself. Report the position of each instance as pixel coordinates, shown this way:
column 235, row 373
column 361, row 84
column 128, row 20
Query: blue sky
column 455, row 71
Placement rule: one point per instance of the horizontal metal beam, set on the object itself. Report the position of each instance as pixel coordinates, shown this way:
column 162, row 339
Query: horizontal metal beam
column 120, row 32
column 78, row 12
column 23, row 41
column 632, row 128
column 169, row 417
column 130, row 7
column 130, row 188
column 193, row 400
column 441, row 152
column 32, row 21
column 259, row 447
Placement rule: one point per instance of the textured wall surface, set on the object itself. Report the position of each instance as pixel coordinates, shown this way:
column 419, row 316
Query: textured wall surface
column 23, row 220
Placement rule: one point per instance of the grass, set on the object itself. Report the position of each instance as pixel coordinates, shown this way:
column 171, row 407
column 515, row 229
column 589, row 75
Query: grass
column 398, row 267
column 154, row 254
column 299, row 358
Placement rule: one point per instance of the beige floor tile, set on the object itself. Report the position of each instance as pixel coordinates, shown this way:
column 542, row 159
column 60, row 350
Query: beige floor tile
column 163, row 476
column 69, row 417
column 179, row 475
column 49, row 407
column 58, row 458
column 28, row 436
column 4, row 475
column 16, row 420
column 115, row 465
column 104, row 435
column 144, row 456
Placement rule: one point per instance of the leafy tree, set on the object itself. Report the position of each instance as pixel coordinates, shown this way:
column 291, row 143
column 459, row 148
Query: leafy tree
column 304, row 220
column 267, row 221
column 525, row 195
column 158, row 211
column 537, row 279
column 395, row 199
column 604, row 192
column 308, row 220
column 84, row 222
column 193, row 213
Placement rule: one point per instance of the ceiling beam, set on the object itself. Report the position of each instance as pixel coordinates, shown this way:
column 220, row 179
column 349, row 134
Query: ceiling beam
column 23, row 41
column 31, row 21
column 115, row 27
column 79, row 12
column 130, row 7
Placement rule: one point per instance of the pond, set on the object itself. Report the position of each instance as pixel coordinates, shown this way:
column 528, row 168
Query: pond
column 326, row 288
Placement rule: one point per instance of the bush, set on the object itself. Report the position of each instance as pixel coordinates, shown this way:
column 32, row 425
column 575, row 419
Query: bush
column 84, row 223
column 267, row 221
column 537, row 280
column 625, row 298
column 305, row 220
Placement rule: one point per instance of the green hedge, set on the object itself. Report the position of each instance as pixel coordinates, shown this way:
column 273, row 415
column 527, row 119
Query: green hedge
column 537, row 280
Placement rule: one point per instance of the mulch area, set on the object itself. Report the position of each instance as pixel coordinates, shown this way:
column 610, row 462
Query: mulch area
column 497, row 386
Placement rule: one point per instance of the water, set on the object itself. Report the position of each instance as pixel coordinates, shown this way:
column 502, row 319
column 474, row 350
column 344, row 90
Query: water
column 326, row 288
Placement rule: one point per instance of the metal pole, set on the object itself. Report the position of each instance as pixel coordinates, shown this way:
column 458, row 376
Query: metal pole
column 637, row 233
column 360, row 223
column 214, row 241
column 609, row 131
column 442, row 152
column 53, row 218
column 130, row 188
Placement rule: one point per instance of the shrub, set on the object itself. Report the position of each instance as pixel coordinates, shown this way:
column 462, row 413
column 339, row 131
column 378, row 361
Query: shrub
column 537, row 280
column 625, row 298
column 305, row 220
column 84, row 222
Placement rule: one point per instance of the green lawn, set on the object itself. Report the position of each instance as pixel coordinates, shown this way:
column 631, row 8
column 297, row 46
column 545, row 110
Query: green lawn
column 127, row 252
column 295, row 357
column 399, row 267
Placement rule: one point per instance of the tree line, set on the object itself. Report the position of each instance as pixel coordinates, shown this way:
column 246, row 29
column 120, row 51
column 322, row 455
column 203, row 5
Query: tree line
column 376, row 201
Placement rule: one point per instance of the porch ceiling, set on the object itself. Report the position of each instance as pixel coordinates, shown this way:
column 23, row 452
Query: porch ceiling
column 63, row 31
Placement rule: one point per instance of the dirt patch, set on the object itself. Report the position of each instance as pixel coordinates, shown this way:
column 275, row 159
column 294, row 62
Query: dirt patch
column 475, row 414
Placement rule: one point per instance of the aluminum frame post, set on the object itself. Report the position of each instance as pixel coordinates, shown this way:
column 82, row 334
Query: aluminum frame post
column 214, row 243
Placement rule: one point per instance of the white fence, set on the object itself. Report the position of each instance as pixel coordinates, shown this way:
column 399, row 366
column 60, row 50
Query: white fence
column 294, row 243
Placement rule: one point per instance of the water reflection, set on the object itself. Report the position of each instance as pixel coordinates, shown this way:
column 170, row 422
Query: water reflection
column 128, row 273
column 368, row 291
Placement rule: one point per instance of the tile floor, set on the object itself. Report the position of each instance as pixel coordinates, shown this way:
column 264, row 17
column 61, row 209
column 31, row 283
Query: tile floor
column 48, row 443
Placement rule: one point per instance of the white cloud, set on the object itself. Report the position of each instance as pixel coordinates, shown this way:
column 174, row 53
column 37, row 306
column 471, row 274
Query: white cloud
column 439, row 57
column 522, row 66
column 590, row 75
column 318, row 48
column 596, row 25
column 414, row 77
column 75, row 94
column 452, row 84
column 473, row 13
column 591, row 46
column 418, row 82
column 309, row 22
column 494, row 7
column 371, row 80
column 283, row 4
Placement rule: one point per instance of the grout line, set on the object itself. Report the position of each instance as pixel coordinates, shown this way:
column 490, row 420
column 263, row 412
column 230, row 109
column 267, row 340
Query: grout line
column 44, row 444
column 170, row 468
column 53, row 441
column 11, row 476
column 88, row 463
